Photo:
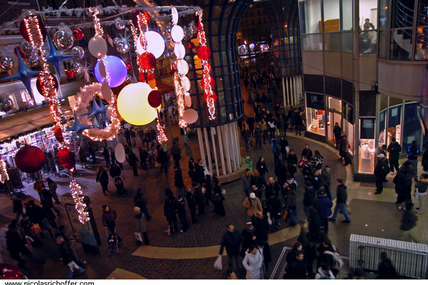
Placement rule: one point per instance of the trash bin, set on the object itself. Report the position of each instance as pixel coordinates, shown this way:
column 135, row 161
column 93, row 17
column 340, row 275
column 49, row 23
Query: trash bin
column 249, row 163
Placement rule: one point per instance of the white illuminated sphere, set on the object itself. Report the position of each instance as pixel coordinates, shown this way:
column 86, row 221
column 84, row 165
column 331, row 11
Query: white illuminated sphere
column 185, row 82
column 97, row 46
column 182, row 67
column 190, row 116
column 179, row 50
column 155, row 44
column 133, row 105
column 177, row 33
column 188, row 101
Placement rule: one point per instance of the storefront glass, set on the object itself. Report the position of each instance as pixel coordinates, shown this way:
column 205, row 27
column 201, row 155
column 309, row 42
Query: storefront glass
column 384, row 9
column 348, row 124
column 347, row 14
column 367, row 145
column 315, row 113
column 412, row 129
column 331, row 16
column 312, row 42
column 310, row 11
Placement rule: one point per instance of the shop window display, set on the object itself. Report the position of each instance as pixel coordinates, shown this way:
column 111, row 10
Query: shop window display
column 367, row 145
column 316, row 121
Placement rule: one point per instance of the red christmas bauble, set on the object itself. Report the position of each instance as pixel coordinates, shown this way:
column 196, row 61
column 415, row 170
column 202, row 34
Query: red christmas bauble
column 58, row 134
column 135, row 17
column 30, row 159
column 78, row 34
column 214, row 96
column 41, row 86
column 128, row 66
column 191, row 45
column 147, row 61
column 211, row 82
column 155, row 98
column 204, row 52
column 70, row 74
column 66, row 158
column 25, row 33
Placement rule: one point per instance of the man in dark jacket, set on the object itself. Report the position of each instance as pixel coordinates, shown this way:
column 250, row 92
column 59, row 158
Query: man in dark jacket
column 264, row 250
column 261, row 227
column 67, row 257
column 272, row 187
column 323, row 205
column 308, row 198
column 394, row 150
column 412, row 154
column 232, row 240
column 275, row 210
column 176, row 154
column 316, row 180
column 178, row 181
column 181, row 212
column 326, row 178
column 169, row 210
column 298, row 122
column 248, row 238
column 199, row 172
column 191, row 203
column 133, row 162
column 385, row 268
column 408, row 222
column 281, row 173
column 403, row 183
column 342, row 197
column 379, row 172
column 258, row 136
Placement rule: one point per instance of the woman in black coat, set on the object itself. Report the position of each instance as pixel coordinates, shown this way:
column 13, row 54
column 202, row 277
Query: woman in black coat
column 292, row 163
column 102, row 177
column 283, row 146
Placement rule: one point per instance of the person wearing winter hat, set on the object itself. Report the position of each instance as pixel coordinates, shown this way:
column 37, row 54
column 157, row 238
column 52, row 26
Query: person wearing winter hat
column 141, row 224
column 253, row 205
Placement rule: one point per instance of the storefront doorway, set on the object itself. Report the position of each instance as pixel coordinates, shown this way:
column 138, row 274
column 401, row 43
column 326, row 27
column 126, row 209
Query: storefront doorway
column 333, row 118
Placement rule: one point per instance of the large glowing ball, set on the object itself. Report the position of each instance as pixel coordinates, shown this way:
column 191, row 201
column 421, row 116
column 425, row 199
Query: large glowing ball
column 41, row 85
column 147, row 61
column 140, row 15
column 26, row 33
column 204, row 52
column 78, row 34
column 66, row 158
column 182, row 67
column 211, row 82
column 185, row 82
column 115, row 70
column 179, row 50
column 119, row 153
column 133, row 106
column 97, row 46
column 177, row 33
column 188, row 101
column 190, row 116
column 30, row 159
column 58, row 134
column 155, row 44
column 214, row 96
column 155, row 98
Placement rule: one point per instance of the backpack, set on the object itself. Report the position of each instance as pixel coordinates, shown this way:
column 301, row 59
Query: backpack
column 337, row 259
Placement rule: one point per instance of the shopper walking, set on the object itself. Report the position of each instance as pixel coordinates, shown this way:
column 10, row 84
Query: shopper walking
column 394, row 150
column 232, row 240
column 380, row 170
column 412, row 155
column 141, row 224
column 342, row 197
column 253, row 262
column 52, row 188
column 102, row 177
column 109, row 221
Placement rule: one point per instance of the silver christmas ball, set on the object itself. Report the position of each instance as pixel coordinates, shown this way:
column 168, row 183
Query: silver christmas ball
column 27, row 48
column 169, row 54
column 6, row 104
column 6, row 63
column 78, row 68
column 78, row 52
column 63, row 39
column 116, row 40
column 32, row 59
column 122, row 46
column 188, row 34
column 119, row 23
column 128, row 79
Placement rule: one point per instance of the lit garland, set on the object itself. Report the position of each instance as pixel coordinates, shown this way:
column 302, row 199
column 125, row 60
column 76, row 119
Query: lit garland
column 97, row 25
column 84, row 96
column 210, row 96
column 161, row 134
column 178, row 80
column 80, row 206
column 3, row 171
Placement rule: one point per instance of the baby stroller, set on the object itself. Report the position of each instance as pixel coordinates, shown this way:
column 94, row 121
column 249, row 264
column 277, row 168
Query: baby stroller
column 113, row 244
column 118, row 182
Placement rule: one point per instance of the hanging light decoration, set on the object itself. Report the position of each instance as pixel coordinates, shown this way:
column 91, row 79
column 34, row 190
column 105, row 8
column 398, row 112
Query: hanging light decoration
column 3, row 171
column 79, row 205
column 204, row 53
column 181, row 66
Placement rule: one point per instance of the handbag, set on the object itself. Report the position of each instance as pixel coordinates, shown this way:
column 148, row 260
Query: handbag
column 416, row 193
column 217, row 263
column 35, row 229
column 301, row 162
column 284, row 214
column 138, row 236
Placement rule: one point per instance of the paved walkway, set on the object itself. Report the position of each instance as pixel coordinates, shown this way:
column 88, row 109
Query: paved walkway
column 191, row 255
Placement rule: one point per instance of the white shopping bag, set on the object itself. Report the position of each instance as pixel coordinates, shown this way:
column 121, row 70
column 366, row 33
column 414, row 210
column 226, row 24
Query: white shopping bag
column 217, row 263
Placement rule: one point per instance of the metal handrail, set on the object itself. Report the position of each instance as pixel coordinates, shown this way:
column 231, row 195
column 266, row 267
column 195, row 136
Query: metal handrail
column 399, row 16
